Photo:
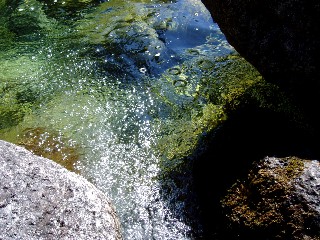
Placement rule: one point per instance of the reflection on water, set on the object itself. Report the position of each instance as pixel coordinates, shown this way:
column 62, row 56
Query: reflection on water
column 92, row 85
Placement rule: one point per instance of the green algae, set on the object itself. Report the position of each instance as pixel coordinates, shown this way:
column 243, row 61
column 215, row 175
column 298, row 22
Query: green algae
column 18, row 89
column 6, row 37
column 185, row 135
column 214, row 89
column 11, row 110
column 28, row 18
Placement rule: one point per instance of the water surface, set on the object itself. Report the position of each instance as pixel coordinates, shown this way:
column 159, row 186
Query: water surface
column 98, row 86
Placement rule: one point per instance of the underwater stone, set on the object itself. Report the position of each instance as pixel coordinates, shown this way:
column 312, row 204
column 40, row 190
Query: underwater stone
column 39, row 199
column 51, row 145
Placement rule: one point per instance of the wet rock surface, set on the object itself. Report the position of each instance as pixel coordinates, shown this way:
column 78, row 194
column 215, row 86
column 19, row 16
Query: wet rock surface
column 279, row 199
column 41, row 200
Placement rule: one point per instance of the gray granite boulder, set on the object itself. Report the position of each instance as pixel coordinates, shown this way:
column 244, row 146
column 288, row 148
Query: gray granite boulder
column 280, row 199
column 39, row 199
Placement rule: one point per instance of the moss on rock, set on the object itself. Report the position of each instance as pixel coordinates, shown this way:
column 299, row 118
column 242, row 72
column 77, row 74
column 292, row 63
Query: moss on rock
column 213, row 90
column 263, row 205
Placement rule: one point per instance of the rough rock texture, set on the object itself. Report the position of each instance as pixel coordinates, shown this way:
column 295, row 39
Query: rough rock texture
column 39, row 199
column 280, row 38
column 307, row 185
column 280, row 199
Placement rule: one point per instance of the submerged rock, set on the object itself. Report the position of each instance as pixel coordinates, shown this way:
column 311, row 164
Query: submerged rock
column 279, row 38
column 214, row 91
column 126, row 36
column 41, row 200
column 227, row 116
column 278, row 200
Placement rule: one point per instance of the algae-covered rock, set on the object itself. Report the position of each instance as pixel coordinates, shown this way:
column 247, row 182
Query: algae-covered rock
column 212, row 91
column 138, row 38
column 5, row 33
column 6, row 36
column 21, row 89
column 12, row 110
column 28, row 18
column 278, row 200
column 11, row 113
column 222, row 119
column 68, row 9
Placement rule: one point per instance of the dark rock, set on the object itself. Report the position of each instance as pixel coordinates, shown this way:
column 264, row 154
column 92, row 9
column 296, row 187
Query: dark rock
column 249, row 133
column 280, row 38
column 278, row 200
column 39, row 199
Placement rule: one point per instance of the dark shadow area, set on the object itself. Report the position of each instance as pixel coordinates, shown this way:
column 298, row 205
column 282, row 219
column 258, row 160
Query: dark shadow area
column 249, row 134
column 178, row 192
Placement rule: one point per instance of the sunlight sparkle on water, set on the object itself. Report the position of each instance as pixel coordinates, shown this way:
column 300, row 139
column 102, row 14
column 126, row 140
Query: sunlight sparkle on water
column 90, row 88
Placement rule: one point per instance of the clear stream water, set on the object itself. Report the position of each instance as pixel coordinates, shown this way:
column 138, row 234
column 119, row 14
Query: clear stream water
column 98, row 86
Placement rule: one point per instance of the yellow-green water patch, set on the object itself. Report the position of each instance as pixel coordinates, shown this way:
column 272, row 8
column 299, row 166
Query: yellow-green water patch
column 51, row 145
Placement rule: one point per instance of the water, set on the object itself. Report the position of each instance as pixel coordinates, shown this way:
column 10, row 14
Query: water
column 114, row 87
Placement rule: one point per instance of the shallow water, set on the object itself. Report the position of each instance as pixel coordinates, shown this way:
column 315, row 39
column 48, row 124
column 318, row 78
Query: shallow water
column 102, row 83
